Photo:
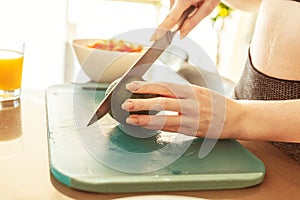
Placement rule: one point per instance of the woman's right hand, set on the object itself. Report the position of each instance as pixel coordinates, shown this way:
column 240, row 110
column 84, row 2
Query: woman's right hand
column 200, row 112
column 203, row 9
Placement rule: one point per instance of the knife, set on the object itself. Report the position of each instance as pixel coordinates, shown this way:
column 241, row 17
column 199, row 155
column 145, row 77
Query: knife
column 141, row 66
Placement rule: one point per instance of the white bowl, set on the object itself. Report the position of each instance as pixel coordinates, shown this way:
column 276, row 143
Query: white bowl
column 103, row 65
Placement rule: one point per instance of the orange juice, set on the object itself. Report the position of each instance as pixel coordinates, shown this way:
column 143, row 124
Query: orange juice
column 11, row 64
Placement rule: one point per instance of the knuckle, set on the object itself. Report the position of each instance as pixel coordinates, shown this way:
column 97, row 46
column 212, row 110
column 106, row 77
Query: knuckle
column 160, row 104
column 139, row 104
column 136, row 103
column 143, row 121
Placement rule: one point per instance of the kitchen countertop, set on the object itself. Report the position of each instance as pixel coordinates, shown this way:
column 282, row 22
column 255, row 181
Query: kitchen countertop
column 24, row 163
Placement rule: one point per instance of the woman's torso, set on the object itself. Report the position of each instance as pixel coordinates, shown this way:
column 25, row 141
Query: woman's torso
column 275, row 47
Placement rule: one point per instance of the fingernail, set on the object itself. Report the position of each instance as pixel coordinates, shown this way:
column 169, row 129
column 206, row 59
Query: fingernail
column 132, row 86
column 127, row 105
column 132, row 120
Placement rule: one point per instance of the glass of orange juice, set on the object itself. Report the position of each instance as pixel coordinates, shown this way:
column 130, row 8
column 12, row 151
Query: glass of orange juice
column 11, row 66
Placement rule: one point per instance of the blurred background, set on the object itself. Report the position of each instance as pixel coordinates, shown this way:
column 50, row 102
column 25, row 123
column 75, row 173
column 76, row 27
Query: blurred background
column 48, row 27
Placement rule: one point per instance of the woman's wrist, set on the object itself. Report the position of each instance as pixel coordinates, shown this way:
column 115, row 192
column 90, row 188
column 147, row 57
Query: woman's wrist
column 269, row 120
column 235, row 123
column 248, row 120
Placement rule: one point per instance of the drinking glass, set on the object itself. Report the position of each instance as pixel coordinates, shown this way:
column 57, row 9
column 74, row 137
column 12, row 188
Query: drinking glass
column 11, row 66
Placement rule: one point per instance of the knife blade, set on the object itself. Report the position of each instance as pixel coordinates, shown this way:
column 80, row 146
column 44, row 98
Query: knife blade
column 141, row 66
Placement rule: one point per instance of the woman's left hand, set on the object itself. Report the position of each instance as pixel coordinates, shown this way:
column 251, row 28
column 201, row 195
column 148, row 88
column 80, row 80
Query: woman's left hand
column 197, row 108
column 177, row 7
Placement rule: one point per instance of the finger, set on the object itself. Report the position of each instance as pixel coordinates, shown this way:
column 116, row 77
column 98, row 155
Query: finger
column 165, row 89
column 172, row 4
column 188, row 107
column 168, row 123
column 142, row 87
column 177, row 9
column 203, row 10
column 157, row 104
column 157, row 122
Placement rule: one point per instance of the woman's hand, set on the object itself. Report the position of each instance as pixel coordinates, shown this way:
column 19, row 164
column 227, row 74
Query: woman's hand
column 203, row 9
column 195, row 109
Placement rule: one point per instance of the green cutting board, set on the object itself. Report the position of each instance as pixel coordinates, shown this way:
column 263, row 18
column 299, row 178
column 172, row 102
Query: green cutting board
column 102, row 158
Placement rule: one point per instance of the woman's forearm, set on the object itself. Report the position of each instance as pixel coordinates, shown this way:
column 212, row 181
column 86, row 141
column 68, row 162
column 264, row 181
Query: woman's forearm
column 244, row 5
column 270, row 120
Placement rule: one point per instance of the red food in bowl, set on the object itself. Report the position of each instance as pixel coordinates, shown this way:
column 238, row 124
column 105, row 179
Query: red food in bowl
column 116, row 45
